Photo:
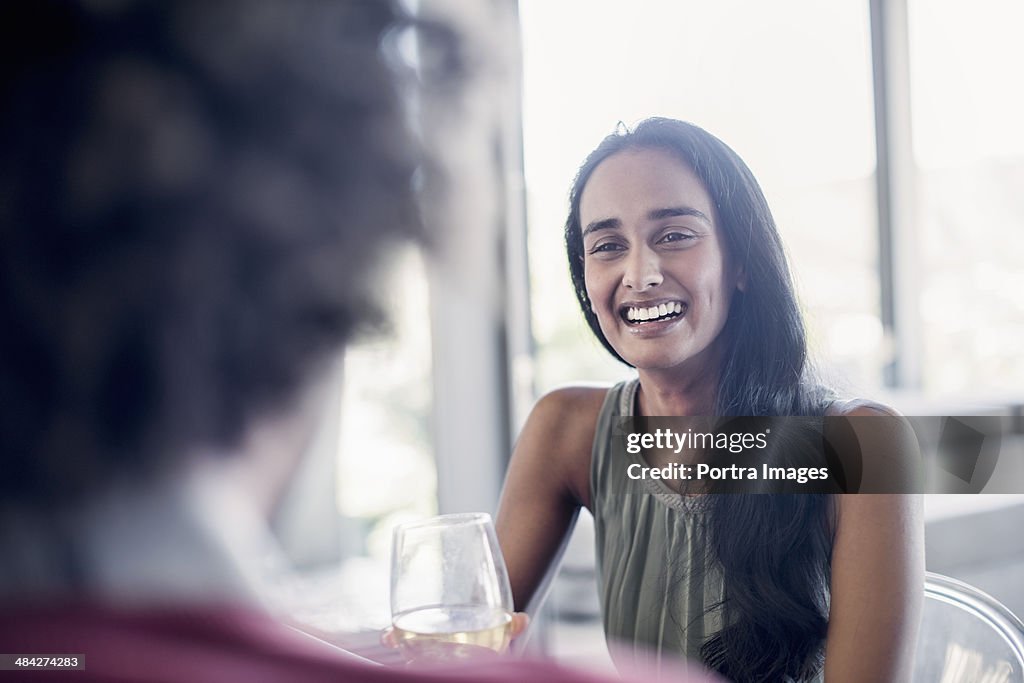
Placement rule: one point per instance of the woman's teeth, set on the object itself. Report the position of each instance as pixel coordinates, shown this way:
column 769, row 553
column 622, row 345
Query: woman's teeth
column 667, row 310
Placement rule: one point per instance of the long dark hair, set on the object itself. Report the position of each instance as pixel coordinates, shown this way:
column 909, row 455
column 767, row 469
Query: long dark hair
column 774, row 550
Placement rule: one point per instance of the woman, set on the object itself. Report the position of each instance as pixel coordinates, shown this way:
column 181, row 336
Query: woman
column 680, row 273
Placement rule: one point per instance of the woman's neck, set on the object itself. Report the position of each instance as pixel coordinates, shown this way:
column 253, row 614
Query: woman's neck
column 659, row 397
column 689, row 390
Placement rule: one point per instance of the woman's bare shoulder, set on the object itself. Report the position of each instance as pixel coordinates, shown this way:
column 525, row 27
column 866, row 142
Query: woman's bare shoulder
column 560, row 431
column 860, row 407
column 573, row 400
column 567, row 416
column 877, row 426
column 886, row 448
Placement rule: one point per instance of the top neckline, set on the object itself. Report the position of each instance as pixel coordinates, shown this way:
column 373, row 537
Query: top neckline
column 690, row 504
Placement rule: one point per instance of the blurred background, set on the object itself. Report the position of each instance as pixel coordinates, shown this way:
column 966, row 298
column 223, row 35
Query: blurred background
column 887, row 138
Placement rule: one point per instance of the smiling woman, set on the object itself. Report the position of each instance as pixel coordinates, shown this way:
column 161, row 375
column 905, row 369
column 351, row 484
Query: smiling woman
column 650, row 243
column 680, row 273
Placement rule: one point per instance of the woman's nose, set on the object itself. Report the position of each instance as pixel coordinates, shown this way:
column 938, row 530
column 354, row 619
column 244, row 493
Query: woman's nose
column 643, row 271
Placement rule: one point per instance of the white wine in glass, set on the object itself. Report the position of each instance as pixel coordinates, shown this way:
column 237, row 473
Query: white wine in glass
column 450, row 595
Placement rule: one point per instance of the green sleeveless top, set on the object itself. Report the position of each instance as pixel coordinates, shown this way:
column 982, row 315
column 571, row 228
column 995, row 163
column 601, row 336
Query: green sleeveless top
column 656, row 588
column 659, row 591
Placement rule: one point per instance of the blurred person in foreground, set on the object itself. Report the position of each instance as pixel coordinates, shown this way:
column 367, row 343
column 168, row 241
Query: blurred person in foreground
column 192, row 199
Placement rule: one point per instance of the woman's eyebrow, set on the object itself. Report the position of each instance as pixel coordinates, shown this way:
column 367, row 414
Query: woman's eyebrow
column 603, row 224
column 672, row 211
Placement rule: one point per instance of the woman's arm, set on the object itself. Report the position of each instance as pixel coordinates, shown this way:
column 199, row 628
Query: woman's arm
column 877, row 575
column 547, row 482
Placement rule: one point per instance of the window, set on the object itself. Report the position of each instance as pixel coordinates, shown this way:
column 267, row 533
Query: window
column 966, row 111
column 793, row 98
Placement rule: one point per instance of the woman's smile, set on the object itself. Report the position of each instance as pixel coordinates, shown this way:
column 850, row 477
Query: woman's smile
column 652, row 311
column 653, row 319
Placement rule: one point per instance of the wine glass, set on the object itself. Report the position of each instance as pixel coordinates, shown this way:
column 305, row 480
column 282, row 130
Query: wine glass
column 450, row 595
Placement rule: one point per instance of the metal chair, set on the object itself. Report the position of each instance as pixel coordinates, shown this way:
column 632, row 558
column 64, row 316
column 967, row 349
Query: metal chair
column 967, row 636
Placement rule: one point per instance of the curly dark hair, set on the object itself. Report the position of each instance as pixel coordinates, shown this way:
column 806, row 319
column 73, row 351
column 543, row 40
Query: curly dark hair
column 192, row 198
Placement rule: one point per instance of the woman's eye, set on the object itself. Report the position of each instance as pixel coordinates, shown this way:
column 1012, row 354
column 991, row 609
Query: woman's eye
column 676, row 236
column 605, row 247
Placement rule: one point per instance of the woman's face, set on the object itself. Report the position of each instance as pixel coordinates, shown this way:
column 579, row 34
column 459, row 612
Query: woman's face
column 654, row 262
